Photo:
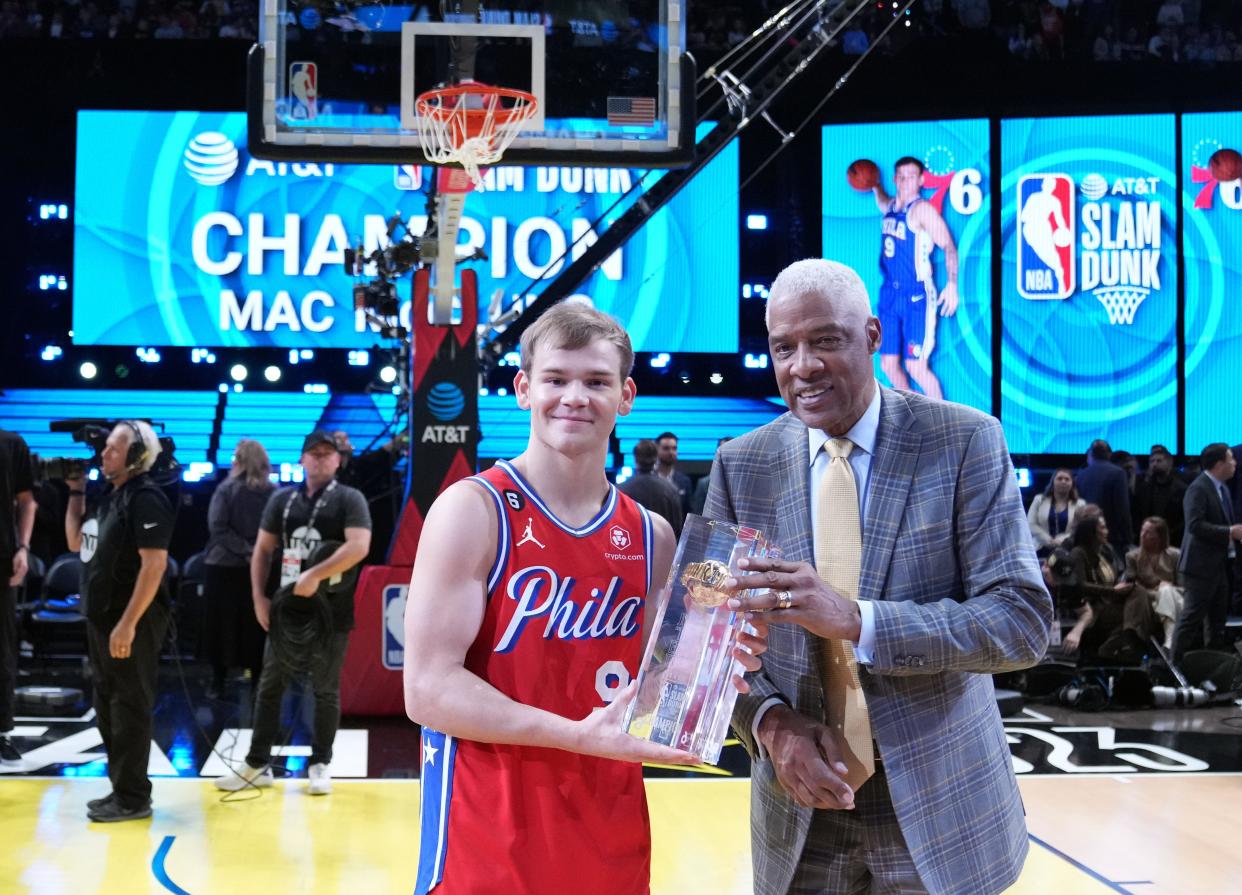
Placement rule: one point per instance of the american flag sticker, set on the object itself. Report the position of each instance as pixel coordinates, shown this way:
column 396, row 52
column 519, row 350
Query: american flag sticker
column 631, row 110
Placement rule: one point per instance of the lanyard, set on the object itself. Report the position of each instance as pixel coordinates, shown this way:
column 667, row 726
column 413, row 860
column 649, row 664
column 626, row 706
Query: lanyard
column 314, row 511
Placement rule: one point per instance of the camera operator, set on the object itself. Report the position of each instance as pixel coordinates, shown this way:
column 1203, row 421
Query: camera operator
column 18, row 508
column 298, row 520
column 123, row 540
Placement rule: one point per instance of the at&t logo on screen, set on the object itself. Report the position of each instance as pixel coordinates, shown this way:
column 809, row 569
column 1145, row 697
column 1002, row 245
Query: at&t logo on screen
column 211, row 158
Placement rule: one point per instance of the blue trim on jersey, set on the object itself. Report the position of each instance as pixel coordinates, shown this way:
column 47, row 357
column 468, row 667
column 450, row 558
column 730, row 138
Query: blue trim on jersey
column 648, row 543
column 590, row 528
column 433, row 811
column 503, row 536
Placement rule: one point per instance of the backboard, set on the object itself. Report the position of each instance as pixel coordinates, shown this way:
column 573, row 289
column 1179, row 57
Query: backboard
column 338, row 81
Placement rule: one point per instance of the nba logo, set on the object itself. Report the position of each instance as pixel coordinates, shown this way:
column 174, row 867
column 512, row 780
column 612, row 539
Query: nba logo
column 408, row 177
column 303, row 91
column 393, row 635
column 1046, row 236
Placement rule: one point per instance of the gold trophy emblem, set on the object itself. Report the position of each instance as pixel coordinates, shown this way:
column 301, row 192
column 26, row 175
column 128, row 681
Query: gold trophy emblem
column 703, row 580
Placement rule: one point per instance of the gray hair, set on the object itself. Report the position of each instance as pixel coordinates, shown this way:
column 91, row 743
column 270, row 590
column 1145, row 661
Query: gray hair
column 150, row 443
column 838, row 282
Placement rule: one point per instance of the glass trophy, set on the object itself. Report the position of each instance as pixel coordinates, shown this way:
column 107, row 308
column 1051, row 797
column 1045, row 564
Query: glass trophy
column 685, row 686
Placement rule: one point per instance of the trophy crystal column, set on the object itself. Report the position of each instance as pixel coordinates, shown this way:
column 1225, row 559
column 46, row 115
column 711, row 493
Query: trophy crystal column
column 685, row 686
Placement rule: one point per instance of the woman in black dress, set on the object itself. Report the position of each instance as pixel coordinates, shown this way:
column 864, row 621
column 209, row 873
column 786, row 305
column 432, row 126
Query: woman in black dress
column 235, row 639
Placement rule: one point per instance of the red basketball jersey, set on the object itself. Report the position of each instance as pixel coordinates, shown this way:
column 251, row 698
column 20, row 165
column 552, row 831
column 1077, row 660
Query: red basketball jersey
column 562, row 631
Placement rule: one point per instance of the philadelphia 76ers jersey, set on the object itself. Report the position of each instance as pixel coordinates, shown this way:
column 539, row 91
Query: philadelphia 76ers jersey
column 562, row 631
column 905, row 255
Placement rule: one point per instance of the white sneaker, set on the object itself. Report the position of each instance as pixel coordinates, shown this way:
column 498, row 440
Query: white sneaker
column 320, row 780
column 247, row 776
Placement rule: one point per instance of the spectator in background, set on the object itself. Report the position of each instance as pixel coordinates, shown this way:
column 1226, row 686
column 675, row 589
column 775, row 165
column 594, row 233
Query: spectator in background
column 1129, row 465
column 666, row 469
column 374, row 473
column 234, row 638
column 1160, row 493
column 699, row 498
column 1096, row 575
column 1170, row 14
column 1105, row 484
column 1052, row 514
column 975, row 15
column 1208, row 552
column 1152, row 566
column 647, row 488
column 1106, row 47
column 17, row 513
column 1235, row 488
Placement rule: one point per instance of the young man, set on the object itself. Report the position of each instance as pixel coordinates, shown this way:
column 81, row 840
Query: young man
column 524, row 630
column 907, row 309
column 295, row 522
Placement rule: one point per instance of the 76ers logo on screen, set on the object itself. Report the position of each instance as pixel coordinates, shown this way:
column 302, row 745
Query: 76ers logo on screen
column 303, row 91
column 1046, row 236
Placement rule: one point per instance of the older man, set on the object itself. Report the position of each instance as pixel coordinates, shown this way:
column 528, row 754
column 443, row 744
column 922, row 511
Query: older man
column 123, row 540
column 880, row 763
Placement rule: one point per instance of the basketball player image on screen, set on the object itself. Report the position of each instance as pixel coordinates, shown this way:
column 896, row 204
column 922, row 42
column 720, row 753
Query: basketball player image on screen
column 910, row 228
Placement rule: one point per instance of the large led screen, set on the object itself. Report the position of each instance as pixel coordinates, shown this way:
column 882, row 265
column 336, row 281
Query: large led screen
column 908, row 206
column 1089, row 274
column 1212, row 240
column 182, row 238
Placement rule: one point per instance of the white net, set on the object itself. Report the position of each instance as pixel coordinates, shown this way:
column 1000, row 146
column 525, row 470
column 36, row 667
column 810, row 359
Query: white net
column 1121, row 303
column 471, row 124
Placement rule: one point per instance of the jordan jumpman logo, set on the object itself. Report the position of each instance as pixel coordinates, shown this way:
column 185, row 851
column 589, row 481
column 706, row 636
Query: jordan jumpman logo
column 529, row 534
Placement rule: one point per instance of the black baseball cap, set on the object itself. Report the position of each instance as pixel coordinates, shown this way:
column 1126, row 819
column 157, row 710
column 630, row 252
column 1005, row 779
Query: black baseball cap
column 318, row 437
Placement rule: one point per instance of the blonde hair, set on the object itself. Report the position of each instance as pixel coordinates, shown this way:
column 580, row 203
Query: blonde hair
column 251, row 464
column 571, row 325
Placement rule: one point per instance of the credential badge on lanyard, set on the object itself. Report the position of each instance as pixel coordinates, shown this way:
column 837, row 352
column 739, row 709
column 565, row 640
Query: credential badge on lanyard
column 297, row 549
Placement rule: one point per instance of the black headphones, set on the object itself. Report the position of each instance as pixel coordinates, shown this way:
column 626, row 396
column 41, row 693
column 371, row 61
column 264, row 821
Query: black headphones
column 137, row 447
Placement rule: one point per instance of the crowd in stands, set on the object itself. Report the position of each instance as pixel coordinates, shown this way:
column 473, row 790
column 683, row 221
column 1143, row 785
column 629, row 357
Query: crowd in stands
column 123, row 19
column 1192, row 31
column 1188, row 31
column 1110, row 537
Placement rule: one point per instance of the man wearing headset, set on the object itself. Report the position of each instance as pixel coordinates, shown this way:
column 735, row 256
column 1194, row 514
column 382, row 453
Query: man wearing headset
column 123, row 541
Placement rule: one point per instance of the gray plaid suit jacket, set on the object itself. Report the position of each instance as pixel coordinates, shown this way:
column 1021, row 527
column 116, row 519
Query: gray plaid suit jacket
column 957, row 594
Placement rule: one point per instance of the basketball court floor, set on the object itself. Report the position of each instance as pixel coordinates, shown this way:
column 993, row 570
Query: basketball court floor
column 1142, row 802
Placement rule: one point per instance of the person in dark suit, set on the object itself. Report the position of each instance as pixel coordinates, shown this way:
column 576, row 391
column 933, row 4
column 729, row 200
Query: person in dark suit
column 910, row 505
column 653, row 492
column 1208, row 552
column 1235, row 487
column 1160, row 493
column 1104, row 483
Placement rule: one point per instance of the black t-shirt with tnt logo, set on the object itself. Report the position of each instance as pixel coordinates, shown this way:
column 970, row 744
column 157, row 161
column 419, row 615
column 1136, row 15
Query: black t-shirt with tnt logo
column 136, row 516
column 299, row 519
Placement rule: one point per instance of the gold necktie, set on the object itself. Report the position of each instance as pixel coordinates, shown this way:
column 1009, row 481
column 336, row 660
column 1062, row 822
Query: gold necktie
column 838, row 560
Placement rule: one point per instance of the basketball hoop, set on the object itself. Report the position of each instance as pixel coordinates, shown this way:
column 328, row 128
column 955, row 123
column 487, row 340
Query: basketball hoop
column 471, row 124
column 1121, row 303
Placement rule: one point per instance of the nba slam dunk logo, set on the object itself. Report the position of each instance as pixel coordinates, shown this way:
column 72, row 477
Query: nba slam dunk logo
column 1116, row 230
